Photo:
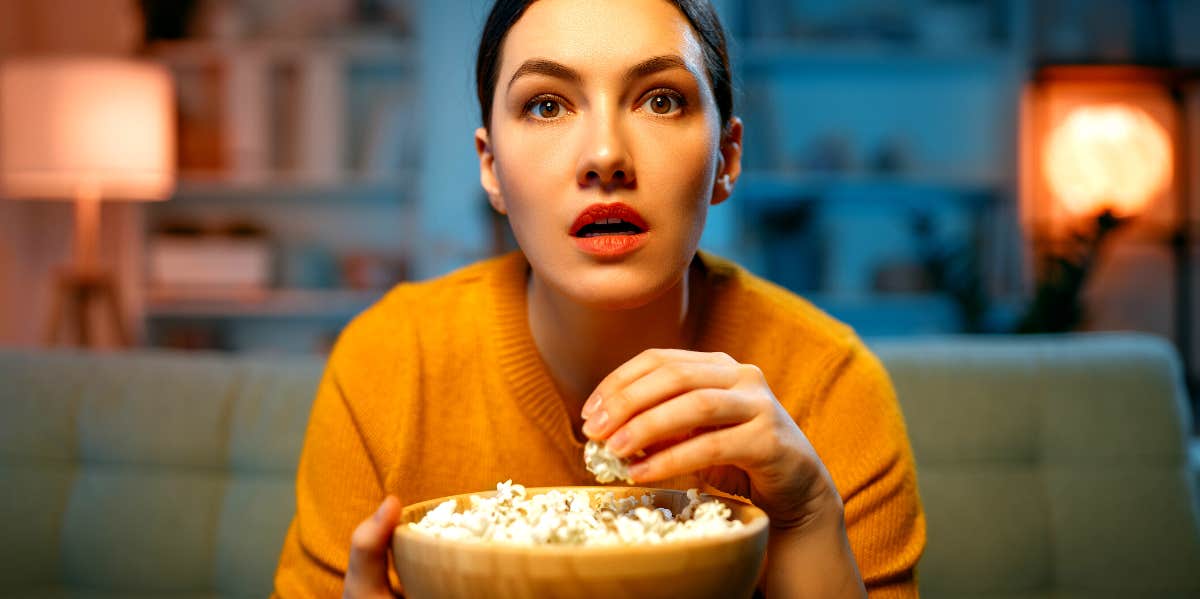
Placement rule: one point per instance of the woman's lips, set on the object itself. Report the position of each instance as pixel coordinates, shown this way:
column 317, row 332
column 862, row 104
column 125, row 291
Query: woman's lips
column 602, row 212
column 609, row 244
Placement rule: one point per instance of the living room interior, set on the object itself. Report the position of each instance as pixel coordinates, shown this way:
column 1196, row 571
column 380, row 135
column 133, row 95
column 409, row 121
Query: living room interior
column 1001, row 197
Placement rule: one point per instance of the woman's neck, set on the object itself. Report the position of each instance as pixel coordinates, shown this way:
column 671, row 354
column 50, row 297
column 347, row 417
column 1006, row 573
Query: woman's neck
column 582, row 345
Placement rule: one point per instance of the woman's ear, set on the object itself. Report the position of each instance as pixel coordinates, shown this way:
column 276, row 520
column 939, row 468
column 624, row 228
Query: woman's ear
column 487, row 170
column 729, row 162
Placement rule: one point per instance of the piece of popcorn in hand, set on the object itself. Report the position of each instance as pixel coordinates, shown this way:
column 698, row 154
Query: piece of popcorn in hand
column 605, row 464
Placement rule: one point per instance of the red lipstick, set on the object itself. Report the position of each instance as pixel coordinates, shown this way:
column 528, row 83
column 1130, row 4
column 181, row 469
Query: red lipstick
column 609, row 230
column 599, row 212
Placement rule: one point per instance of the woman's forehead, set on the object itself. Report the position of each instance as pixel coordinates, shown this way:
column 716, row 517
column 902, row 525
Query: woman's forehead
column 599, row 38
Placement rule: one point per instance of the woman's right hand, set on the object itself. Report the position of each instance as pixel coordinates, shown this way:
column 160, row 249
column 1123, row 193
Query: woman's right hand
column 367, row 574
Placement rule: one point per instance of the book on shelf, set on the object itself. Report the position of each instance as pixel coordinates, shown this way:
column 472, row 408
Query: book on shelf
column 204, row 267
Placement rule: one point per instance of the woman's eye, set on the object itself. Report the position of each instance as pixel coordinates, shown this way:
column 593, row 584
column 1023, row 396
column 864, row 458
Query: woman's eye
column 663, row 103
column 544, row 108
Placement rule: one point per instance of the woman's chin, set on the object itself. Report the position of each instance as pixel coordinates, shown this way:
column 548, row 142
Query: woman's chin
column 617, row 285
column 616, row 293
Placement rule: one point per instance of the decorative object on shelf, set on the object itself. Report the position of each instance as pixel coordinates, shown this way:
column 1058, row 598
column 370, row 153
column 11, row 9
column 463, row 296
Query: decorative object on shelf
column 321, row 142
column 766, row 19
column 86, row 129
column 1064, row 34
column 859, row 21
column 893, row 156
column 307, row 265
column 372, row 270
column 954, row 26
column 391, row 130
column 1057, row 306
column 386, row 16
column 302, row 18
column 791, row 242
column 832, row 152
column 166, row 19
column 1103, row 149
column 220, row 20
column 188, row 262
column 952, row 268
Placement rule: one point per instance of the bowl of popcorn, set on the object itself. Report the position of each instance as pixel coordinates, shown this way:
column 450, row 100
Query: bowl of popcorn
column 579, row 542
column 611, row 542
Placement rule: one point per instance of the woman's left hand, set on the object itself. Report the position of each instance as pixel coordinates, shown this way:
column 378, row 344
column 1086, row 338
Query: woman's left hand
column 692, row 411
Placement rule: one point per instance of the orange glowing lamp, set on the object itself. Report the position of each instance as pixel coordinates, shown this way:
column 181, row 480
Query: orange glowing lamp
column 1107, row 157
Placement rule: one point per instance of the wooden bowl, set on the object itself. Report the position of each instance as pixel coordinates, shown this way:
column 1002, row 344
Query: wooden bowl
column 720, row 567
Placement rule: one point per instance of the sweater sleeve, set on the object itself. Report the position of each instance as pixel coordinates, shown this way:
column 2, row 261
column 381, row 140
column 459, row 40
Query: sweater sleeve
column 337, row 486
column 858, row 430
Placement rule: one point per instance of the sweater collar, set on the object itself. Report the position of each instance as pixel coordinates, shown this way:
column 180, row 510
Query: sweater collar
column 526, row 373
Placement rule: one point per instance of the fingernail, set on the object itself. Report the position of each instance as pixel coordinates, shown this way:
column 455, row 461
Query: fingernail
column 618, row 441
column 637, row 471
column 589, row 407
column 592, row 427
column 379, row 510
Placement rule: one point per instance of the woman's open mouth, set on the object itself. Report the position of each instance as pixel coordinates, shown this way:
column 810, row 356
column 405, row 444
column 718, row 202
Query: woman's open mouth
column 612, row 226
column 609, row 230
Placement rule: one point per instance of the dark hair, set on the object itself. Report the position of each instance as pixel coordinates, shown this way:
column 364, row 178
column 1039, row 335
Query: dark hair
column 700, row 13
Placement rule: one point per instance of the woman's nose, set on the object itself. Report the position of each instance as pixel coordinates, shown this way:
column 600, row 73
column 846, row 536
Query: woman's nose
column 605, row 160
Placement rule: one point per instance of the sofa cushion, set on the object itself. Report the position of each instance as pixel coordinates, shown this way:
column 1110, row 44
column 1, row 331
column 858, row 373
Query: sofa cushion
column 1050, row 464
column 155, row 473
column 1049, row 468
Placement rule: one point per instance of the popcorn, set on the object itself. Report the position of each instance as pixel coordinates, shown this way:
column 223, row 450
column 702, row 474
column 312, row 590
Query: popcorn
column 574, row 518
column 605, row 464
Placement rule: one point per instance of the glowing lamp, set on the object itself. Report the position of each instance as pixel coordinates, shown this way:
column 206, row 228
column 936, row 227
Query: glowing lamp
column 86, row 129
column 1100, row 139
column 1112, row 157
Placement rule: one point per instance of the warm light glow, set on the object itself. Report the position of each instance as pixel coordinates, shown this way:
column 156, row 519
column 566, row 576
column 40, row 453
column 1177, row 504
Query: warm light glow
column 95, row 126
column 1109, row 156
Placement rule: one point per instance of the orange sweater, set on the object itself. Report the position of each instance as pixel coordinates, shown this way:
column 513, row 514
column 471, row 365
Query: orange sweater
column 438, row 389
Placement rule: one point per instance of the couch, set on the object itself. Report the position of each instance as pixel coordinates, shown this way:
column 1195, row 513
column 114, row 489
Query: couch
column 1049, row 467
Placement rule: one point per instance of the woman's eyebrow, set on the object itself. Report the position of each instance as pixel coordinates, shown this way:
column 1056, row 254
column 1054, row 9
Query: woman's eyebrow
column 557, row 70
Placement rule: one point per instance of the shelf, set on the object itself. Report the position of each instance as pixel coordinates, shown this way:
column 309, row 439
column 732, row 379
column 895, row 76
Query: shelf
column 214, row 187
column 879, row 300
column 328, row 304
column 760, row 56
column 767, row 187
column 890, row 314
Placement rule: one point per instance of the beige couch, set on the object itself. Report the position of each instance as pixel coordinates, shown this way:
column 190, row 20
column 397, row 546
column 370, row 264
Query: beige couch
column 1049, row 467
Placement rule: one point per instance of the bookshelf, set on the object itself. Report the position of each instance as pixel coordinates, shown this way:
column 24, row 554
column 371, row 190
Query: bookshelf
column 310, row 145
column 315, row 304
column 880, row 155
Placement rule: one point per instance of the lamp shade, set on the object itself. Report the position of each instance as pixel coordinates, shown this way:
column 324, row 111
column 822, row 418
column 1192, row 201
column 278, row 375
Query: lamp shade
column 1110, row 156
column 104, row 127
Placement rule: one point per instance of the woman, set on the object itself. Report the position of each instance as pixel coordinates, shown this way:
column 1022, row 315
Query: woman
column 608, row 132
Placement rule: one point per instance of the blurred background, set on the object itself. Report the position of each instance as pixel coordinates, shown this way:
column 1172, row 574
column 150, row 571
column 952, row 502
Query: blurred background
column 914, row 167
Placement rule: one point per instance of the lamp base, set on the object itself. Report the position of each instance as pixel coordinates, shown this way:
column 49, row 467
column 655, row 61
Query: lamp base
column 75, row 291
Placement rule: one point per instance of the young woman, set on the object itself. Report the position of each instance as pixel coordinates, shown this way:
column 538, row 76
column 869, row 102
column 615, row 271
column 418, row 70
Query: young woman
column 608, row 131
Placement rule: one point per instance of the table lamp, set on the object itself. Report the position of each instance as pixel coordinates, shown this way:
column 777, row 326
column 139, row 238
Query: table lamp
column 86, row 129
column 1103, row 146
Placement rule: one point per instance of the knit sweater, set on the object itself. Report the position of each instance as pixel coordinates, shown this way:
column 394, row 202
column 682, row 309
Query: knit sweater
column 439, row 389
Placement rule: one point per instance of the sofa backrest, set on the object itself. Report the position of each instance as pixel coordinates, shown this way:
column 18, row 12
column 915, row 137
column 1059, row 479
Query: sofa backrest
column 1052, row 466
column 165, row 474
column 1048, row 467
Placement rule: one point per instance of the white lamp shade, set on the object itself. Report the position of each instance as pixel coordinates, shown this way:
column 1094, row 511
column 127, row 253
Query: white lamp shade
column 100, row 126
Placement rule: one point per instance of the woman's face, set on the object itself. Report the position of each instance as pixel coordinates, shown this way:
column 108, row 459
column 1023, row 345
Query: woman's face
column 599, row 103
